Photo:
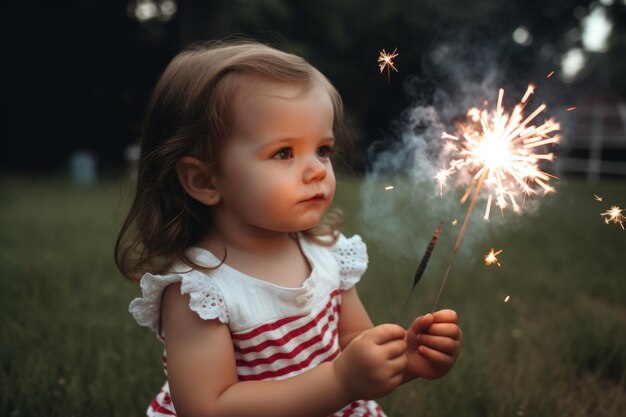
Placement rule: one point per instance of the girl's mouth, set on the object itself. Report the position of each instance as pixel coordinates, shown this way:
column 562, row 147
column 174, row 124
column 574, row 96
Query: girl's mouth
column 315, row 199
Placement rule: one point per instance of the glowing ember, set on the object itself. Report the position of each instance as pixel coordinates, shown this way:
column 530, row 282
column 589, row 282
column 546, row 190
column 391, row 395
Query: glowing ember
column 491, row 259
column 389, row 187
column 502, row 149
column 598, row 198
column 571, row 108
column 386, row 61
column 551, row 74
column 614, row 214
column 442, row 179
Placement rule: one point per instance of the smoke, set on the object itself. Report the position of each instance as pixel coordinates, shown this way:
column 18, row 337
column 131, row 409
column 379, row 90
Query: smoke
column 403, row 219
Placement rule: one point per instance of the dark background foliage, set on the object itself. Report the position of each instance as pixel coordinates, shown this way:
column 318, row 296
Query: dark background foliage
column 77, row 74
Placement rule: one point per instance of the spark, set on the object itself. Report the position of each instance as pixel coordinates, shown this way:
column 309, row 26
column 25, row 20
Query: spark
column 442, row 178
column 571, row 108
column 454, row 222
column 504, row 151
column 597, row 198
column 450, row 147
column 530, row 90
column 506, row 299
column 491, row 257
column 504, row 148
column 445, row 135
column 386, row 61
column 551, row 74
column 389, row 187
column 614, row 214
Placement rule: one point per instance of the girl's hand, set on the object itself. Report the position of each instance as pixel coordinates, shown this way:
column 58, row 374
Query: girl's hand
column 373, row 364
column 433, row 344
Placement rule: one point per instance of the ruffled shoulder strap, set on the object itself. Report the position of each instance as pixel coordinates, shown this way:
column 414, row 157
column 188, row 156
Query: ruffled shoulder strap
column 351, row 255
column 205, row 298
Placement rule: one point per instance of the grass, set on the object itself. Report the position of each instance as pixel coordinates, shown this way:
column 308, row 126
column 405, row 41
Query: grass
column 68, row 346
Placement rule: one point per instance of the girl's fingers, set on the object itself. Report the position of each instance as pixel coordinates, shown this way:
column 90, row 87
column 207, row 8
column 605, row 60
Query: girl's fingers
column 442, row 344
column 395, row 348
column 446, row 330
column 385, row 333
column 437, row 358
column 398, row 364
column 446, row 316
column 422, row 323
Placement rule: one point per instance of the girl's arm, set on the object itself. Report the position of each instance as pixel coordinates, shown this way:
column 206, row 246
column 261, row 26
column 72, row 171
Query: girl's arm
column 353, row 319
column 203, row 378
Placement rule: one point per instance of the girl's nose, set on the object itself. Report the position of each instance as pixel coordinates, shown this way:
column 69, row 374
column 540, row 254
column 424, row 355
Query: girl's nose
column 315, row 170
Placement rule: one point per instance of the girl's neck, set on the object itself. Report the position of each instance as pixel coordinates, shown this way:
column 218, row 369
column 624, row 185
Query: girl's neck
column 247, row 239
column 275, row 257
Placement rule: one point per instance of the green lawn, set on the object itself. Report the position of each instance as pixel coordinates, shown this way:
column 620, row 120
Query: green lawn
column 557, row 348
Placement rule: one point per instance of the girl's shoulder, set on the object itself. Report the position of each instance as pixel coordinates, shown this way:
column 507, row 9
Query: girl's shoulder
column 205, row 296
column 349, row 255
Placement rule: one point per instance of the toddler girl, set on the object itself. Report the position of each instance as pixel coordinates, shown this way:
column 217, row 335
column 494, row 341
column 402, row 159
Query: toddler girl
column 250, row 288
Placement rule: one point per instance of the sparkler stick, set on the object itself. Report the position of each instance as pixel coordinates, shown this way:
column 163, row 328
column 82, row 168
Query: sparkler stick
column 422, row 266
column 479, row 185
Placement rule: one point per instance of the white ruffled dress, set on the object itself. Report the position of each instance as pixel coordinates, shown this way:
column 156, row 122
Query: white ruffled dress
column 277, row 332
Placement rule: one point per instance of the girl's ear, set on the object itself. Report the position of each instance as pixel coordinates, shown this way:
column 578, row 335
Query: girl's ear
column 198, row 180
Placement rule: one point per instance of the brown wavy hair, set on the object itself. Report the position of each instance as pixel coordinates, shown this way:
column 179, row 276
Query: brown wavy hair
column 190, row 114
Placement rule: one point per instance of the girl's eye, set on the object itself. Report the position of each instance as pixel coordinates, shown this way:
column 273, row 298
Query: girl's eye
column 325, row 151
column 284, row 154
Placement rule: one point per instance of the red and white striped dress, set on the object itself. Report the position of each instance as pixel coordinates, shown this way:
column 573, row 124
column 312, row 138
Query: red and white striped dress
column 277, row 332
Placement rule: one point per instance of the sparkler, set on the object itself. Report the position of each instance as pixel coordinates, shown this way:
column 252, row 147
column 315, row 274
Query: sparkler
column 491, row 259
column 422, row 265
column 500, row 150
column 614, row 214
column 386, row 61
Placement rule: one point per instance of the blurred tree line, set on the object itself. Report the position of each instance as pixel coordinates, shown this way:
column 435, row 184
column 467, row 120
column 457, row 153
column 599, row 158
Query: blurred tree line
column 77, row 74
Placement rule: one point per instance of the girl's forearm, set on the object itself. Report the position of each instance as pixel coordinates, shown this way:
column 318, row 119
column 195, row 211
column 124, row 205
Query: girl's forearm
column 317, row 392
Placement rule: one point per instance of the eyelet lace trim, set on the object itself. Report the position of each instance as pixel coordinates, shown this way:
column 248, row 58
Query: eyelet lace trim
column 205, row 298
column 351, row 255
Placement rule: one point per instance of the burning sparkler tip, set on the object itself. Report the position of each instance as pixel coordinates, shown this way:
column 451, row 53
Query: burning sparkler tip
column 501, row 146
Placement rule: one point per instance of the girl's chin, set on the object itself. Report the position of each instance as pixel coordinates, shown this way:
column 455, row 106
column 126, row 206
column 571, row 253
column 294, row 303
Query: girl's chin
column 301, row 226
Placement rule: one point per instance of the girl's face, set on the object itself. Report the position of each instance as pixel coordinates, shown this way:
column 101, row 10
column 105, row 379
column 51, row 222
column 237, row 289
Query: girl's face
column 275, row 172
